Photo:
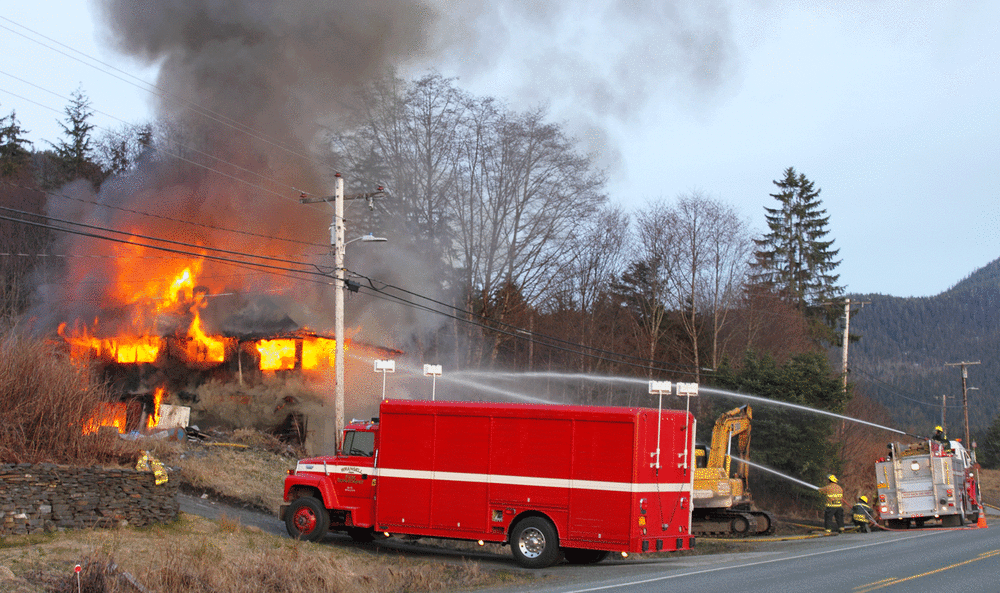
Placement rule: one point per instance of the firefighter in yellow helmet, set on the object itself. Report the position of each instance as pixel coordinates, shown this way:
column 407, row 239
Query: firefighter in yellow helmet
column 833, row 512
column 862, row 515
column 942, row 438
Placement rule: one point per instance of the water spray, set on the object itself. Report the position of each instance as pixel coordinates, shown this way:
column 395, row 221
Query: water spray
column 704, row 389
column 776, row 472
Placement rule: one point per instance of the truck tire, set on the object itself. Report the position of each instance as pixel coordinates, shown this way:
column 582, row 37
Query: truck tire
column 307, row 519
column 534, row 542
column 581, row 556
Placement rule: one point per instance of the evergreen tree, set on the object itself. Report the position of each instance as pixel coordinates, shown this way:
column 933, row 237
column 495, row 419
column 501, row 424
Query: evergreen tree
column 74, row 153
column 988, row 446
column 798, row 443
column 13, row 146
column 794, row 259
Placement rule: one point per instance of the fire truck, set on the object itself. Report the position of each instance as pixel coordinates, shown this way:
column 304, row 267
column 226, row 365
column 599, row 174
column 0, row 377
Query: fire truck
column 926, row 481
column 552, row 481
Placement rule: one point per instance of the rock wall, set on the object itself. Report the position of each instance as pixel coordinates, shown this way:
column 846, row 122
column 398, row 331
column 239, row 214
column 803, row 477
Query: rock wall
column 45, row 497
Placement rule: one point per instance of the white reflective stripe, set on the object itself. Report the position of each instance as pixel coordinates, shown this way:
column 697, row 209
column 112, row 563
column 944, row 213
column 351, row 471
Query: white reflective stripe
column 531, row 481
column 497, row 479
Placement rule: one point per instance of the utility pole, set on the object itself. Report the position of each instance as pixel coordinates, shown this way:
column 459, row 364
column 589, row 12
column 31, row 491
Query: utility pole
column 337, row 244
column 965, row 396
column 847, row 334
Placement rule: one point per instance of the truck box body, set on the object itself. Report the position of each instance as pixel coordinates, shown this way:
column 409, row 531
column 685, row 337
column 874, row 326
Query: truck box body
column 923, row 481
column 472, row 470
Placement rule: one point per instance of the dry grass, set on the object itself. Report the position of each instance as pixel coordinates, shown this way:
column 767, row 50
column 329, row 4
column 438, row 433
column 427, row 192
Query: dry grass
column 250, row 475
column 197, row 555
column 989, row 484
column 45, row 400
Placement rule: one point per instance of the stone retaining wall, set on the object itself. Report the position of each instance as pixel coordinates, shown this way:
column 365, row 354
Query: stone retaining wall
column 45, row 497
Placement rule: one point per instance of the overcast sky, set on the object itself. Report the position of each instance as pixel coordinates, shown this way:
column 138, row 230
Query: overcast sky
column 890, row 107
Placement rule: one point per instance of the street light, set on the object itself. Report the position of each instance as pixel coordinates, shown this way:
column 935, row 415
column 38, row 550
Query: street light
column 433, row 371
column 686, row 390
column 658, row 388
column 384, row 367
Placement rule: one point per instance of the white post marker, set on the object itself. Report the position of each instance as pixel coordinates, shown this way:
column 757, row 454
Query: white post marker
column 658, row 388
column 686, row 390
column 385, row 366
column 433, row 371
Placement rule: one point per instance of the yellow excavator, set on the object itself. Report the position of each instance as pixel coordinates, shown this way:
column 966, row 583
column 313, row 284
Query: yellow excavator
column 722, row 503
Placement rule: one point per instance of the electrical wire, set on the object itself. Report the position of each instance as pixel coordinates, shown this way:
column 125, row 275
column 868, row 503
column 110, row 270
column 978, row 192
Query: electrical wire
column 259, row 266
column 892, row 389
column 517, row 333
column 524, row 334
column 162, row 93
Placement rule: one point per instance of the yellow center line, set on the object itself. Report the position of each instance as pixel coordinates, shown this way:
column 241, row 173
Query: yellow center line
column 895, row 581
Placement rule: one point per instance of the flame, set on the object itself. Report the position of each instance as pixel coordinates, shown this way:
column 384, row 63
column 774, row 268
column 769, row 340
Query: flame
column 317, row 351
column 154, row 417
column 108, row 414
column 276, row 355
column 123, row 349
column 204, row 348
column 141, row 349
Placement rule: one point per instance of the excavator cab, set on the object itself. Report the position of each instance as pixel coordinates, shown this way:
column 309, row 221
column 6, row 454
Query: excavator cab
column 701, row 456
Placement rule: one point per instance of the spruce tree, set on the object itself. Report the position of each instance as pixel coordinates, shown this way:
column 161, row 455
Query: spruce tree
column 794, row 259
column 14, row 150
column 74, row 153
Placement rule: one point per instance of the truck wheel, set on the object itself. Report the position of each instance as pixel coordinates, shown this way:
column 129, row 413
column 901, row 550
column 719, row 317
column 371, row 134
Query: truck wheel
column 534, row 543
column 580, row 556
column 307, row 519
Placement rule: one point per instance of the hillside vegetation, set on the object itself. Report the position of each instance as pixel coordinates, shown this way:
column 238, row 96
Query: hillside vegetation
column 905, row 343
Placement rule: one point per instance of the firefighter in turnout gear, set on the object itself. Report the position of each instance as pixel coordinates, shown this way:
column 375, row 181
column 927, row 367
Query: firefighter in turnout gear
column 942, row 438
column 833, row 514
column 862, row 515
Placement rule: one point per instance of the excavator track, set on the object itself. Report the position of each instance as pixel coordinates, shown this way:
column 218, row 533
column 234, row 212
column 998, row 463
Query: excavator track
column 745, row 523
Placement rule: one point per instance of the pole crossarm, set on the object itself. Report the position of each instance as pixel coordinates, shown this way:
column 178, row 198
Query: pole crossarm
column 379, row 193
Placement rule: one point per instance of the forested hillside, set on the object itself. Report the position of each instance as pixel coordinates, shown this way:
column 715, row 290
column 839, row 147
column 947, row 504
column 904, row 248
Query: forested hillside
column 905, row 344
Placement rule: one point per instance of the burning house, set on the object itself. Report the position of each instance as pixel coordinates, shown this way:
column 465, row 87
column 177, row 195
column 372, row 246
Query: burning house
column 200, row 279
column 160, row 353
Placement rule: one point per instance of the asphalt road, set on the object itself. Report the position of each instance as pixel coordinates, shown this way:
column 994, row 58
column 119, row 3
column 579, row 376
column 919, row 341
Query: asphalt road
column 929, row 559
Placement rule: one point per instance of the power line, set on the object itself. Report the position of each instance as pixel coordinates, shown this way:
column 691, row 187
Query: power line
column 241, row 263
column 162, row 93
column 520, row 333
column 151, row 238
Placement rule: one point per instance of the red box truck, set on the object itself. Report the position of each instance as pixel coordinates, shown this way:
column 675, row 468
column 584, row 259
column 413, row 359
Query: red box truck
column 553, row 481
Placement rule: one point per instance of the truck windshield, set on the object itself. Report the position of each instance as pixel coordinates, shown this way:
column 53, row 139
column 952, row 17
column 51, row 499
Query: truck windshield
column 358, row 443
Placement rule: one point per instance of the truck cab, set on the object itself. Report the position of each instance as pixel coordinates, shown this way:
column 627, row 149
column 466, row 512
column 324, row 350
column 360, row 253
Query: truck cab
column 344, row 483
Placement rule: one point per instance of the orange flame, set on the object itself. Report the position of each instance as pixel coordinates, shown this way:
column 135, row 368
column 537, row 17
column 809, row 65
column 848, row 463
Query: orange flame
column 318, row 351
column 154, row 417
column 123, row 349
column 276, row 355
column 107, row 415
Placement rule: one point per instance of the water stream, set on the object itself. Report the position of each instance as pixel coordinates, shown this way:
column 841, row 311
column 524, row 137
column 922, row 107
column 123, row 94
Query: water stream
column 775, row 472
column 644, row 382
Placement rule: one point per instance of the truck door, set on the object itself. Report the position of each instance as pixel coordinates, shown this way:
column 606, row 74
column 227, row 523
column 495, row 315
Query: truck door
column 355, row 482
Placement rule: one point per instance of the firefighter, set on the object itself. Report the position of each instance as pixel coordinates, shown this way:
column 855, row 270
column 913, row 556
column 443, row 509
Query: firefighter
column 862, row 515
column 833, row 513
column 942, row 438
